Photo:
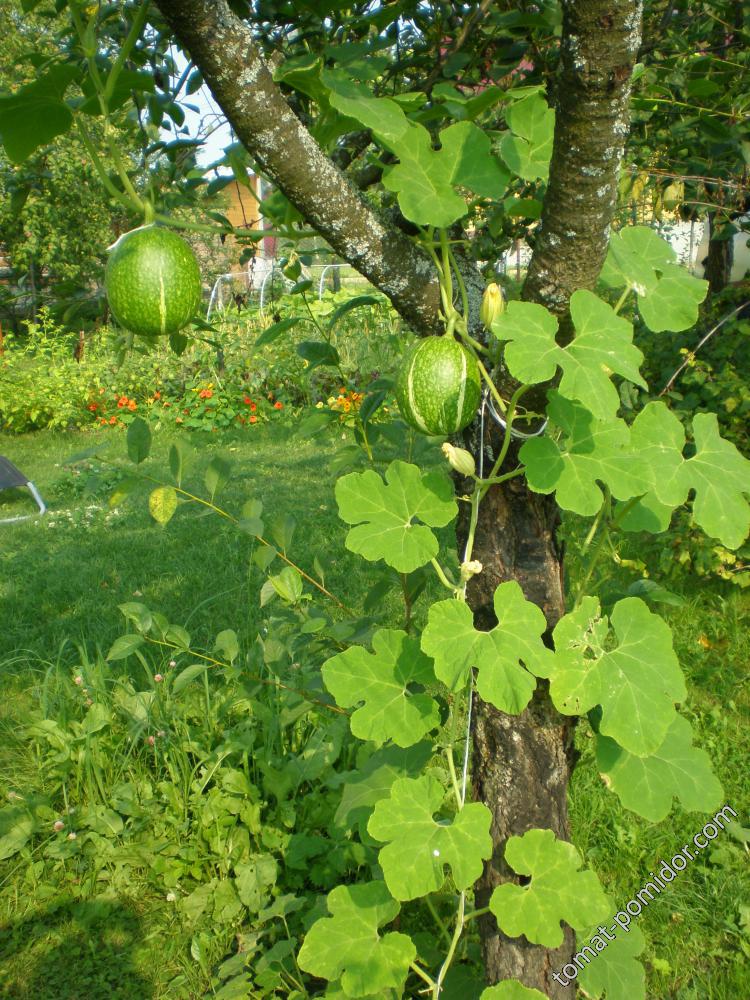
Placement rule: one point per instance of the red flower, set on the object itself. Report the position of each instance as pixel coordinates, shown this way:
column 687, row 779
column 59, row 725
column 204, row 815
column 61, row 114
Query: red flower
column 278, row 406
column 253, row 407
column 248, row 402
column 93, row 407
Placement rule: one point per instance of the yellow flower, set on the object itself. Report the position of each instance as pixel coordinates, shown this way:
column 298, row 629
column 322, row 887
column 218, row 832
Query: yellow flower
column 493, row 305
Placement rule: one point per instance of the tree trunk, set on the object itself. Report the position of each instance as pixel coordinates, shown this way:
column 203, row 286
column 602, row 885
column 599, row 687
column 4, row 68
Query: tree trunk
column 522, row 764
column 718, row 266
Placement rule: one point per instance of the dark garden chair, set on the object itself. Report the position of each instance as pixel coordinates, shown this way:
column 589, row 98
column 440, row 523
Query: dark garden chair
column 11, row 477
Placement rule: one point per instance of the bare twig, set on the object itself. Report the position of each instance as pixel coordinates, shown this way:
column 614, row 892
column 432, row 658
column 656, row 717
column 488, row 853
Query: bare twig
column 691, row 356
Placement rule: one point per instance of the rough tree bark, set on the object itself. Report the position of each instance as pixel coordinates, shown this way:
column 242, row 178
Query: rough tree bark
column 521, row 764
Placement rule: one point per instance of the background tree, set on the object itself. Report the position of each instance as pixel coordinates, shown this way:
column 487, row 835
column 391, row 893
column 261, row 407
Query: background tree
column 690, row 144
column 55, row 217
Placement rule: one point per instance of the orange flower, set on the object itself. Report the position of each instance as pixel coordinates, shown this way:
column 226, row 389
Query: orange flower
column 93, row 407
column 253, row 407
column 253, row 420
column 278, row 406
column 157, row 395
column 206, row 393
column 122, row 401
column 113, row 420
column 132, row 405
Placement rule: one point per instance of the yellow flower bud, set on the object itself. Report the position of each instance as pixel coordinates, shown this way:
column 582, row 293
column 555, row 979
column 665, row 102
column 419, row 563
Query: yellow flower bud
column 493, row 305
column 460, row 459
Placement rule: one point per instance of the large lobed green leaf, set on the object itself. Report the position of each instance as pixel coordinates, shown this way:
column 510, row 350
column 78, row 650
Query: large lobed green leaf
column 676, row 769
column 418, row 846
column 668, row 295
column 615, row 972
column 386, row 514
column 35, row 114
column 374, row 781
column 425, row 179
column 636, row 683
column 500, row 655
column 590, row 451
column 645, row 460
column 527, row 147
column 381, row 680
column 603, row 345
column 557, row 892
column 347, row 945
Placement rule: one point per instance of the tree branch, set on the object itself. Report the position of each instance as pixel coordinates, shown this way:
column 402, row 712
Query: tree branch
column 223, row 48
column 600, row 43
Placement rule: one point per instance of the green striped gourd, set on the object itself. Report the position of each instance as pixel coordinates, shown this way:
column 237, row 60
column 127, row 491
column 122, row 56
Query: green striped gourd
column 153, row 281
column 438, row 386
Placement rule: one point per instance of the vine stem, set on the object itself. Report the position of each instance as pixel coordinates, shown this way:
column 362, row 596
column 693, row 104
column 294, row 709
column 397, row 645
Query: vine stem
column 605, row 536
column 206, row 227
column 598, row 548
column 271, row 682
column 623, row 297
column 139, row 22
column 109, row 187
column 103, row 98
column 491, row 386
column 461, row 285
column 442, row 575
column 445, row 250
column 509, row 418
column 454, row 776
column 234, row 520
column 436, row 916
column 460, row 922
column 422, row 975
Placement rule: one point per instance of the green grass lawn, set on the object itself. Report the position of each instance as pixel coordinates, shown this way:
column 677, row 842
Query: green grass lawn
column 61, row 581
